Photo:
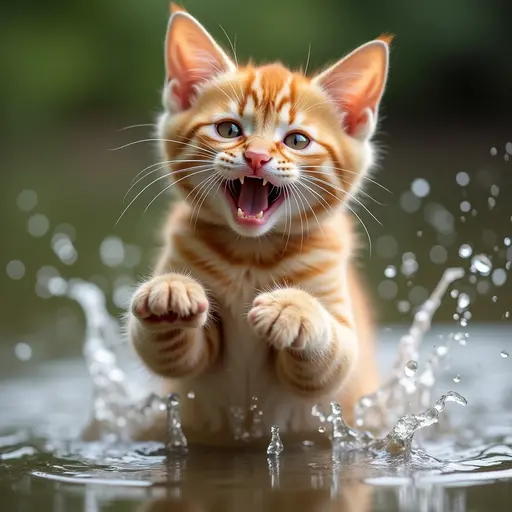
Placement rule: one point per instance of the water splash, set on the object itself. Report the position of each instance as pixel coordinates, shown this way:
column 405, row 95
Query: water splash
column 176, row 440
column 275, row 446
column 404, row 392
column 344, row 437
column 400, row 438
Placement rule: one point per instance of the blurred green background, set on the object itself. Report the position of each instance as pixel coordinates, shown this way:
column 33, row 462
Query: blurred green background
column 74, row 74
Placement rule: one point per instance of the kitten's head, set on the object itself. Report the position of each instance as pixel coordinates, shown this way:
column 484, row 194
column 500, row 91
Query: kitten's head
column 265, row 148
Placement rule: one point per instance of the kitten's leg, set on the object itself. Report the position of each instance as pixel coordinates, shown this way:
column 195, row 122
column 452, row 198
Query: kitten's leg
column 315, row 348
column 167, row 326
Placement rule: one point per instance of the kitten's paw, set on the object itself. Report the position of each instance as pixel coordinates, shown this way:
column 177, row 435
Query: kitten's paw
column 170, row 300
column 289, row 318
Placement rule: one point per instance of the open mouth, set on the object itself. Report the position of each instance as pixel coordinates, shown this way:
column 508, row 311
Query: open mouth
column 253, row 199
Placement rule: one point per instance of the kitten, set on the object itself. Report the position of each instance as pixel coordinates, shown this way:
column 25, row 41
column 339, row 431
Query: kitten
column 255, row 292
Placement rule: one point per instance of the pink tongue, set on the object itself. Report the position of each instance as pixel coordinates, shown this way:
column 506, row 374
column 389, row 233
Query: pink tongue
column 253, row 196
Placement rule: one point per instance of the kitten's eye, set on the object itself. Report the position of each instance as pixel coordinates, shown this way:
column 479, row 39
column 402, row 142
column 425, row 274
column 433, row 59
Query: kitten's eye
column 229, row 130
column 296, row 140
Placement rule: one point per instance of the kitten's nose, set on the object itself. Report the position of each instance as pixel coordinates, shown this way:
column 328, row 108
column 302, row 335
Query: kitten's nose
column 257, row 158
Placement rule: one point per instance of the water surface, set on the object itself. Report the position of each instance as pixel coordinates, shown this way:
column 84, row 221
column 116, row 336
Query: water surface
column 44, row 466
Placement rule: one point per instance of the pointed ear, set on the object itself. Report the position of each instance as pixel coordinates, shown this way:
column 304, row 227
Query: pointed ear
column 192, row 57
column 356, row 84
column 174, row 8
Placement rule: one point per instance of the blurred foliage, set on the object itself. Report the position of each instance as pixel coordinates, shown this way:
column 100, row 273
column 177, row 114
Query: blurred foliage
column 104, row 57
column 74, row 73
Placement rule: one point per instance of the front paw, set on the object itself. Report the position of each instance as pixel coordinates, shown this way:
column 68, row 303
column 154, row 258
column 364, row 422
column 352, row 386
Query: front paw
column 170, row 300
column 289, row 318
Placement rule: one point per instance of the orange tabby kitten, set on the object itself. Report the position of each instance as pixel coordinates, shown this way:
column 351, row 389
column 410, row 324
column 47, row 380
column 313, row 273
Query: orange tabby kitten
column 255, row 293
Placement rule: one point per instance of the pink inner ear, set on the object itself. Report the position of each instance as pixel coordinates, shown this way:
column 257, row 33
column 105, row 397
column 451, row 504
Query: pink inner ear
column 181, row 85
column 356, row 84
column 356, row 106
column 192, row 57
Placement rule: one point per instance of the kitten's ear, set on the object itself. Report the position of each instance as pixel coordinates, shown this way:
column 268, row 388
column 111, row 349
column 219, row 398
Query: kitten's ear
column 191, row 57
column 174, row 8
column 356, row 84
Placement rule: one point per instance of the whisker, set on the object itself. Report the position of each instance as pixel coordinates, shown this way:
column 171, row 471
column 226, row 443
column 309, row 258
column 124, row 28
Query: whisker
column 151, row 125
column 198, row 195
column 307, row 60
column 205, row 195
column 171, row 185
column 231, row 44
column 213, row 84
column 355, row 214
column 288, row 213
column 147, row 186
column 335, row 187
column 163, row 165
column 300, row 217
column 294, row 186
column 331, row 167
column 311, row 208
column 310, row 189
column 163, row 140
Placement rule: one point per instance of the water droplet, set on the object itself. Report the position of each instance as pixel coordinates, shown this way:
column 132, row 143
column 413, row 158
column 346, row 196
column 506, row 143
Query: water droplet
column 132, row 256
column 454, row 294
column 465, row 251
column 112, row 251
column 420, row 187
column 495, row 190
column 507, row 241
column 38, row 225
column 387, row 289
column 465, row 206
column 23, row 351
column 276, row 445
column 481, row 264
column 419, row 233
column 390, row 271
column 507, row 314
column 508, row 148
column 491, row 202
column 494, row 298
column 27, row 200
column 191, row 395
column 15, row 269
column 410, row 368
column 321, row 429
column 463, row 301
column 64, row 249
column 462, row 179
column 308, row 444
column 441, row 350
column 456, row 378
column 438, row 254
column 494, row 151
column 504, row 354
column 403, row 306
column 499, row 277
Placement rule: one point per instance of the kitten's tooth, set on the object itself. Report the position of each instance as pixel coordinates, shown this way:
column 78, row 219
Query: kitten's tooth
column 242, row 179
column 265, row 182
column 240, row 213
column 260, row 215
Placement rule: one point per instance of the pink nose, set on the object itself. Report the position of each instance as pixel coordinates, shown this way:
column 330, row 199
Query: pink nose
column 256, row 158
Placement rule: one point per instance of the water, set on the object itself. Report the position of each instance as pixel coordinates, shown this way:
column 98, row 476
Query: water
column 404, row 452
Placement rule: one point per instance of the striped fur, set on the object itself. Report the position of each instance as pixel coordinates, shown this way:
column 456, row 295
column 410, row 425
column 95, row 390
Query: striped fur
column 272, row 310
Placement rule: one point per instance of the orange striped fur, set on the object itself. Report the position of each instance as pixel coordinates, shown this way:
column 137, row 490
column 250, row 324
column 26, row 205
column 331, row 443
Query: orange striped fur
column 239, row 305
